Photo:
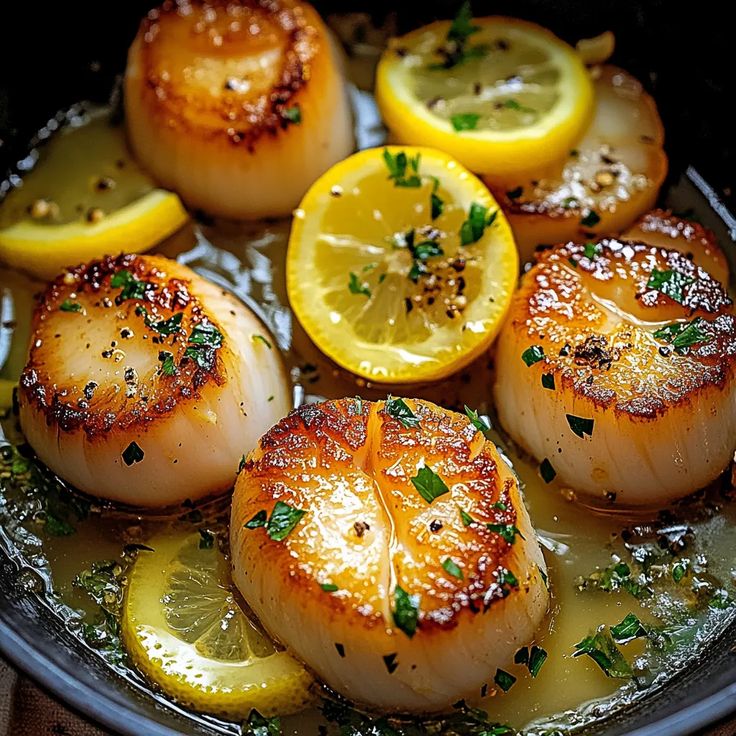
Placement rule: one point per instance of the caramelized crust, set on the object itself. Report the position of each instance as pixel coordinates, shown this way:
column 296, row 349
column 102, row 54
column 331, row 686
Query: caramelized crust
column 230, row 96
column 112, row 339
column 595, row 318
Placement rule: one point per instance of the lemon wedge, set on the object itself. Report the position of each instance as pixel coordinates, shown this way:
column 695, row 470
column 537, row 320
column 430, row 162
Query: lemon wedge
column 186, row 632
column 85, row 197
column 400, row 265
column 499, row 94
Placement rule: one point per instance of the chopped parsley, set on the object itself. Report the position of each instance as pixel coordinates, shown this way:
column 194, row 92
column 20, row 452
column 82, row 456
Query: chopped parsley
column 203, row 342
column 670, row 283
column 452, row 568
column 400, row 411
column 504, row 680
column 437, row 205
column 390, row 661
column 259, row 520
column 537, row 658
column 329, row 587
column 398, row 165
column 357, row 286
column 512, row 104
column 580, row 426
column 628, row 630
column 132, row 288
column 206, row 539
column 167, row 363
column 591, row 250
column 465, row 121
column 481, row 423
column 429, row 484
column 601, row 648
column 241, row 463
column 683, row 335
column 467, row 519
column 406, row 611
column 164, row 327
column 258, row 725
column 507, row 531
column 548, row 381
column 532, row 355
column 591, row 219
column 260, row 338
column 282, row 521
column 546, row 470
column 455, row 50
column 132, row 454
column 617, row 576
column 679, row 570
column 292, row 114
column 478, row 220
column 70, row 306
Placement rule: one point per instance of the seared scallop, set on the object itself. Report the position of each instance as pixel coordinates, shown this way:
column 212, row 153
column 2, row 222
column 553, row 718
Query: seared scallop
column 387, row 545
column 145, row 383
column 610, row 178
column 615, row 369
column 239, row 105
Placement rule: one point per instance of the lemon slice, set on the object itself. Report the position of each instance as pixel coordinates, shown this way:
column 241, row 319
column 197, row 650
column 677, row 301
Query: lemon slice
column 84, row 198
column 185, row 631
column 500, row 94
column 400, row 265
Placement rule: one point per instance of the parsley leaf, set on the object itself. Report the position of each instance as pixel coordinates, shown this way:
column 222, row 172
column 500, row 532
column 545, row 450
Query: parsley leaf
column 630, row 628
column 548, row 381
column 400, row 411
column 504, row 680
column 69, row 306
column 580, row 426
column 471, row 231
column 507, row 531
column 455, row 50
column 329, row 587
column 591, row 219
column 684, row 335
column 452, row 569
column 429, row 484
column 537, row 658
column 356, row 286
column 292, row 114
column 282, row 521
column 167, row 363
column 259, row 520
column 163, row 327
column 465, row 121
column 512, row 104
column 437, row 205
column 132, row 454
column 406, row 611
column 132, row 288
column 258, row 725
column 591, row 250
column 481, row 423
column 466, row 517
column 260, row 338
column 601, row 648
column 670, row 283
column 399, row 164
column 532, row 355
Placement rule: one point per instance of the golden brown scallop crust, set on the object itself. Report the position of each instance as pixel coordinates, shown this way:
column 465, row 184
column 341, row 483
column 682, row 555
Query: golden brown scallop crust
column 163, row 317
column 571, row 303
column 334, row 438
column 234, row 114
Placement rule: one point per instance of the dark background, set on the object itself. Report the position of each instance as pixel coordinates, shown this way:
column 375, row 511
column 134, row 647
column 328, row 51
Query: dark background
column 683, row 52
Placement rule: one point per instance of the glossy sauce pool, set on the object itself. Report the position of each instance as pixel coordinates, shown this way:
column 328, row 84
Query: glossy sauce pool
column 568, row 692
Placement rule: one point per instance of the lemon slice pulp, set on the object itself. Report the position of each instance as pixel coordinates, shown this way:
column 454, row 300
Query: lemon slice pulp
column 186, row 632
column 508, row 97
column 84, row 198
column 400, row 278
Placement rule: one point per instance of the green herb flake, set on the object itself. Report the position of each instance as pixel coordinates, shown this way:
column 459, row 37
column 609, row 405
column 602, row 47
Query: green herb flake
column 261, row 338
column 522, row 656
column 465, row 121
column 481, row 423
column 580, row 426
column 241, row 464
column 670, row 283
column 168, row 368
column 429, row 484
column 455, row 51
column 400, row 411
column 283, row 520
column 406, row 611
column 467, row 519
column 591, row 219
column 329, row 587
column 452, row 569
column 678, row 571
column 132, row 288
column 685, row 335
column 437, row 205
column 70, row 306
column 617, row 576
column 546, row 470
column 132, row 454
column 512, row 104
column 507, row 532
column 357, row 286
column 537, row 658
column 548, row 381
column 399, row 164
column 591, row 250
column 504, row 680
column 471, row 231
column 628, row 630
column 206, row 539
column 532, row 355
column 164, row 327
column 258, row 725
column 500, row 505
column 292, row 114
column 259, row 520
column 601, row 648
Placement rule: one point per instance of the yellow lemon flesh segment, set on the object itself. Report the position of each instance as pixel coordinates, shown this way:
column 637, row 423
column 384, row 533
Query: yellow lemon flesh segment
column 517, row 98
column 383, row 288
column 186, row 632
column 85, row 198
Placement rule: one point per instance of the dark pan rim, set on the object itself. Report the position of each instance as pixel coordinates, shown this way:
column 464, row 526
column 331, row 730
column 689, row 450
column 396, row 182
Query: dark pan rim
column 76, row 690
